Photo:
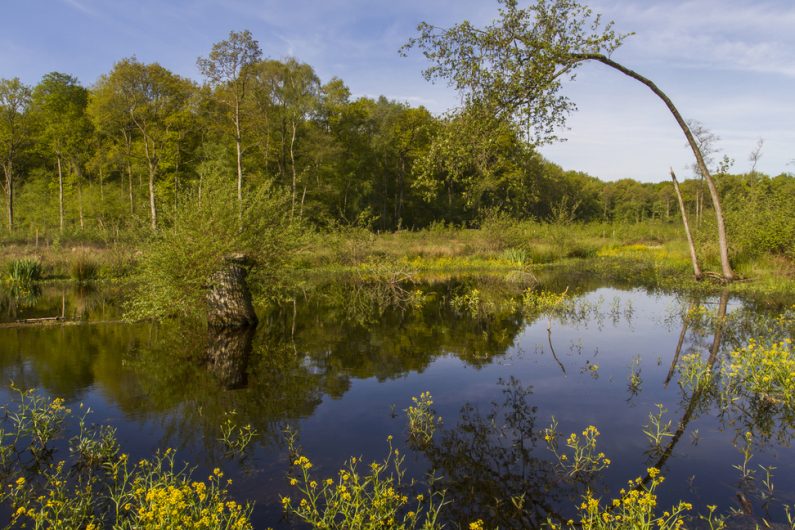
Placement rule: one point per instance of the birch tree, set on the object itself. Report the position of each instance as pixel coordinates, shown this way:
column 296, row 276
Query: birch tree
column 14, row 133
column 227, row 68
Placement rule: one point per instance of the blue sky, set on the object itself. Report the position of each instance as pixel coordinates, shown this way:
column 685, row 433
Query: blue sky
column 727, row 63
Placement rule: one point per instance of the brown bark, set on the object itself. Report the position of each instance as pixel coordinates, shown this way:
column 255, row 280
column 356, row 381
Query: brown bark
column 229, row 299
column 690, row 244
column 728, row 273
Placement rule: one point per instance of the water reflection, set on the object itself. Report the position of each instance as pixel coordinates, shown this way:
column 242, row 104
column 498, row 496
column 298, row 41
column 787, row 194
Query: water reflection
column 333, row 357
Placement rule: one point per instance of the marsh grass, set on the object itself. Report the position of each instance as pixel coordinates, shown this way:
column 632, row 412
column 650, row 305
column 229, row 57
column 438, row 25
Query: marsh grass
column 23, row 271
column 83, row 268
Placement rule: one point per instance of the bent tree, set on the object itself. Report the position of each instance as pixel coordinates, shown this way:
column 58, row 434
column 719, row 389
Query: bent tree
column 518, row 64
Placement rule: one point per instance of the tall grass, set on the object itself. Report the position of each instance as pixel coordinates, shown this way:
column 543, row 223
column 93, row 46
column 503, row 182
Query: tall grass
column 83, row 269
column 24, row 271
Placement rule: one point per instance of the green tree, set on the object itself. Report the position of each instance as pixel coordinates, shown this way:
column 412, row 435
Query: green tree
column 59, row 107
column 14, row 134
column 154, row 102
column 227, row 68
column 518, row 64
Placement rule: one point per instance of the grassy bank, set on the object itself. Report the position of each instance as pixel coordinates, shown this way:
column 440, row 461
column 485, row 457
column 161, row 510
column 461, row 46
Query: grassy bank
column 652, row 251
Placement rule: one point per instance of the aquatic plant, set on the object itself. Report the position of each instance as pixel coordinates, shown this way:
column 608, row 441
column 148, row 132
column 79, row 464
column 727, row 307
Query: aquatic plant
column 582, row 457
column 24, row 271
column 236, row 438
column 657, row 430
column 543, row 301
column 422, row 418
column 763, row 371
column 82, row 268
column 377, row 496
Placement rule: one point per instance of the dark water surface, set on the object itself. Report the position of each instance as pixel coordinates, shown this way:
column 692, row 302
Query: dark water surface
column 342, row 363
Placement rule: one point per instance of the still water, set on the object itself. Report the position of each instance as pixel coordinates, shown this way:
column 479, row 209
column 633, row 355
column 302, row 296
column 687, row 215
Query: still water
column 341, row 360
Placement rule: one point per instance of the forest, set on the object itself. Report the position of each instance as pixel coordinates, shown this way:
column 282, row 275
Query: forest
column 104, row 162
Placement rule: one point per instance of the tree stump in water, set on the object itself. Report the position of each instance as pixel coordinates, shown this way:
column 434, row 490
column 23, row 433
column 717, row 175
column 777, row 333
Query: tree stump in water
column 229, row 300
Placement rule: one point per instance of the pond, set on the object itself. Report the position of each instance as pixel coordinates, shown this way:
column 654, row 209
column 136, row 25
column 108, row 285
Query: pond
column 340, row 361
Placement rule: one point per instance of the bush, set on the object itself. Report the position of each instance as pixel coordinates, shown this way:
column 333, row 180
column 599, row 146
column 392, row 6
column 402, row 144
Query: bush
column 176, row 262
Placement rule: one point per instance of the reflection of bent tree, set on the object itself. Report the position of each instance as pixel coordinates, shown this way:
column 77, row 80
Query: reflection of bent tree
column 488, row 469
column 701, row 391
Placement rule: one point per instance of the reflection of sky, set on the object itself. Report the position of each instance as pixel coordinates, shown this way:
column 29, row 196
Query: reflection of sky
column 727, row 63
column 631, row 325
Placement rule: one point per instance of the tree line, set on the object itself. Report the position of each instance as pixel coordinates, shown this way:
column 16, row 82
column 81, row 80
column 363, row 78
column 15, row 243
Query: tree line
column 125, row 153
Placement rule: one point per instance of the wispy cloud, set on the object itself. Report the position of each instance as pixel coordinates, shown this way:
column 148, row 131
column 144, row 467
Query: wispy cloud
column 80, row 6
column 752, row 36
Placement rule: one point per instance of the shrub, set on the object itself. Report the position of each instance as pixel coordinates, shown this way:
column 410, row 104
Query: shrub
column 176, row 262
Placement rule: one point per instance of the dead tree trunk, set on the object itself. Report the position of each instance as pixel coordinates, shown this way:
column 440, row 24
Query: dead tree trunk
column 690, row 244
column 723, row 243
column 229, row 299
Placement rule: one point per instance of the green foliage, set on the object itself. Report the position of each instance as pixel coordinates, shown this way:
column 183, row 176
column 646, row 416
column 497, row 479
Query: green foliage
column 517, row 64
column 176, row 263
column 23, row 272
column 658, row 430
column 236, row 438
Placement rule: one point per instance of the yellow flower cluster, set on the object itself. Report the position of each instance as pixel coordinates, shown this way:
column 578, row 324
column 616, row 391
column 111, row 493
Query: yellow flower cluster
column 634, row 509
column 190, row 506
column 766, row 371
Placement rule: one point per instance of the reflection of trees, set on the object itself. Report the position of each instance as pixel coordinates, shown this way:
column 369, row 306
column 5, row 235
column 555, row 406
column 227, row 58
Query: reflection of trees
column 488, row 469
column 699, row 399
column 342, row 328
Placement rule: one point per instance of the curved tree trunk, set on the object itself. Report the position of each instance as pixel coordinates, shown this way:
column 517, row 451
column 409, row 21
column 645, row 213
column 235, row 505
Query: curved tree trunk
column 229, row 299
column 728, row 273
column 690, row 245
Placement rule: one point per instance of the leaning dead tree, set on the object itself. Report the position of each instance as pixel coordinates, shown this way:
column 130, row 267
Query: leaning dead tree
column 228, row 298
column 690, row 245
column 517, row 65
